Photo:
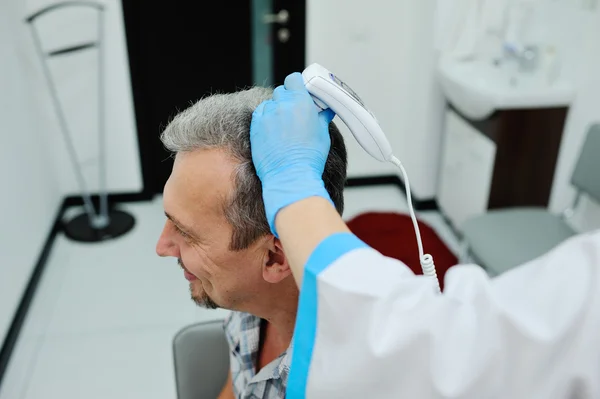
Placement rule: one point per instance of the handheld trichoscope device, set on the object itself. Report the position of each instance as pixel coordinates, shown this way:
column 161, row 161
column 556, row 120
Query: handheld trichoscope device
column 328, row 91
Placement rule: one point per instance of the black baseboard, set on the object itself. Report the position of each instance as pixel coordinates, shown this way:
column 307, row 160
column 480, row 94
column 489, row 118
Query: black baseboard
column 19, row 318
column 375, row 181
column 418, row 205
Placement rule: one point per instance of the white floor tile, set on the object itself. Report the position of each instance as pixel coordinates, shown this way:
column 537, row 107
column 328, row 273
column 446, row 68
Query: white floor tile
column 102, row 293
column 18, row 373
column 444, row 231
column 48, row 290
column 122, row 283
column 386, row 198
column 137, row 364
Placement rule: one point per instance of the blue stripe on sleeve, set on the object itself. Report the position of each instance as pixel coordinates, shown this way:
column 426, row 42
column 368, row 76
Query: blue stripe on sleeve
column 327, row 252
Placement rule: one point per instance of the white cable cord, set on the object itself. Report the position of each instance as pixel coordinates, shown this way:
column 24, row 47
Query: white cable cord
column 425, row 259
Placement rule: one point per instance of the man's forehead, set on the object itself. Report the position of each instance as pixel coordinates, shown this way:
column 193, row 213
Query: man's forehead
column 200, row 179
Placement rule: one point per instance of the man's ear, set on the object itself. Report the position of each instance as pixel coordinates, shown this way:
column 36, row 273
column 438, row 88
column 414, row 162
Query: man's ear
column 276, row 267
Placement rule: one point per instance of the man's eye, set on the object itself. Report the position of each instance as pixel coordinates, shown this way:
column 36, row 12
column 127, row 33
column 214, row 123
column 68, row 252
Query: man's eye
column 182, row 233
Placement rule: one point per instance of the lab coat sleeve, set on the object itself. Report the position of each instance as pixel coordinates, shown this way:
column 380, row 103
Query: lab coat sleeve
column 367, row 327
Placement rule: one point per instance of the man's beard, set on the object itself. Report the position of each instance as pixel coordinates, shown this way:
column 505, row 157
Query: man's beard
column 202, row 299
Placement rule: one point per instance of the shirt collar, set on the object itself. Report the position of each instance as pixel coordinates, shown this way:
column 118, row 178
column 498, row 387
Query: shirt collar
column 250, row 328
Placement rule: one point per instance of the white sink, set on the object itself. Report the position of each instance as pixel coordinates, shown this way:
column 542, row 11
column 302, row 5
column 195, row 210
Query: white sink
column 478, row 88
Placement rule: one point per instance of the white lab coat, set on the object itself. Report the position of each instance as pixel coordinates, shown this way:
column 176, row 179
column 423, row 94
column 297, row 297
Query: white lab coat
column 367, row 327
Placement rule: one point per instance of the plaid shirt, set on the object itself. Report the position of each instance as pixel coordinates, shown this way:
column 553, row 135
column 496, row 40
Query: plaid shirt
column 243, row 335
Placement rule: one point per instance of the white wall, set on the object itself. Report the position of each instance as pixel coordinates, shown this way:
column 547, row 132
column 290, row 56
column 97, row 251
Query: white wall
column 384, row 50
column 75, row 77
column 30, row 194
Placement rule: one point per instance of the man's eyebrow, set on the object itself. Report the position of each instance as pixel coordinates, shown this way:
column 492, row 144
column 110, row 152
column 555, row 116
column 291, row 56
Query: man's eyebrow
column 179, row 224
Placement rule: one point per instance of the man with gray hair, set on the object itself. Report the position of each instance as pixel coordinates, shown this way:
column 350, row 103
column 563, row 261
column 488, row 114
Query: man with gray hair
column 217, row 230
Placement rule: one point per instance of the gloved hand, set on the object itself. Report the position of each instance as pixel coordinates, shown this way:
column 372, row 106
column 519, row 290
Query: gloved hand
column 290, row 143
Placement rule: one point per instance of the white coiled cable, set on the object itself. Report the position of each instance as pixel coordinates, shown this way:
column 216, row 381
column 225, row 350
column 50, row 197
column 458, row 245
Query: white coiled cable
column 426, row 259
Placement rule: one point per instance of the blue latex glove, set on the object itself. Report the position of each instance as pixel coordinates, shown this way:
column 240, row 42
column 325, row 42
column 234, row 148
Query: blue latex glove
column 290, row 144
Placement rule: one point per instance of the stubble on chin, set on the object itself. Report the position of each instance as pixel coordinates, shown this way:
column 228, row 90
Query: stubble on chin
column 201, row 298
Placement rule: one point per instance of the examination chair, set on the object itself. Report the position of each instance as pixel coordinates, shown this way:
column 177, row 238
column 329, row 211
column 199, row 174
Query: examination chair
column 500, row 240
column 201, row 356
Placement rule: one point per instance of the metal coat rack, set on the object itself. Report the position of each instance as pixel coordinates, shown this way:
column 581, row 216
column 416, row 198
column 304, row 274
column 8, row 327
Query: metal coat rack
column 107, row 223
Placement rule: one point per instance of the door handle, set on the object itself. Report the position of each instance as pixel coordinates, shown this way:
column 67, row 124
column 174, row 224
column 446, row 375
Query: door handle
column 283, row 35
column 282, row 17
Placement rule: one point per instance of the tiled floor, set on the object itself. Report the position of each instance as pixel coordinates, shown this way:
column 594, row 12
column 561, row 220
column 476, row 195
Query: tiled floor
column 104, row 316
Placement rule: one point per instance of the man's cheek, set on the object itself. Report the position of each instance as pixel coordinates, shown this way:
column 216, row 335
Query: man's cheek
column 200, row 274
column 207, row 264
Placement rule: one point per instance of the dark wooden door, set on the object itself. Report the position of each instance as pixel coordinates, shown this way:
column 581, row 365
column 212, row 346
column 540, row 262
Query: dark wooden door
column 289, row 55
column 181, row 51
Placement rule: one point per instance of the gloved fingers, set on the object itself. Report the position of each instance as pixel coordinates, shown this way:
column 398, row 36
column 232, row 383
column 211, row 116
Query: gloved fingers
column 278, row 92
column 260, row 110
column 294, row 82
column 258, row 116
column 326, row 116
column 264, row 108
column 269, row 106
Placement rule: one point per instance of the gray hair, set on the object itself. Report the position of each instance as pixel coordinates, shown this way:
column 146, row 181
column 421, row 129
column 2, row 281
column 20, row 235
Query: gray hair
column 223, row 121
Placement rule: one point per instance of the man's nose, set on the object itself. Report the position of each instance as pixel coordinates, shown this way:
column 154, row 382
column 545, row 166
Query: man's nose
column 165, row 245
